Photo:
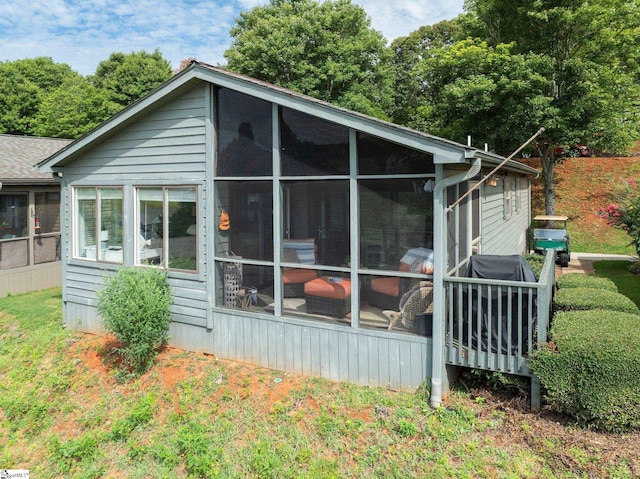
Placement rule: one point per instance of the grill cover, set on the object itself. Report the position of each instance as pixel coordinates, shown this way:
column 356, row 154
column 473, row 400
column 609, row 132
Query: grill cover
column 492, row 301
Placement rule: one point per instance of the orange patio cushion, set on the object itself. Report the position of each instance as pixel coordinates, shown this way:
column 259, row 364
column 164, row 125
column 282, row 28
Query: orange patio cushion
column 389, row 286
column 298, row 275
column 324, row 288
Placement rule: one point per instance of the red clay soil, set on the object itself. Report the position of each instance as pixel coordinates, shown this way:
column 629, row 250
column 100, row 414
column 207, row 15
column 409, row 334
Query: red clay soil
column 583, row 186
column 520, row 429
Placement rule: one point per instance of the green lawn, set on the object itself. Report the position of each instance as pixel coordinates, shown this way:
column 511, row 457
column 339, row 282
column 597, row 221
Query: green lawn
column 63, row 415
column 617, row 271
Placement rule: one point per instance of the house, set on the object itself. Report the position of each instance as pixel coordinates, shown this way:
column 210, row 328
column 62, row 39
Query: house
column 288, row 225
column 29, row 215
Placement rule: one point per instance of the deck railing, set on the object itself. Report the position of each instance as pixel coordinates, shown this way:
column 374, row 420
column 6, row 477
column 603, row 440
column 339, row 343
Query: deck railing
column 494, row 324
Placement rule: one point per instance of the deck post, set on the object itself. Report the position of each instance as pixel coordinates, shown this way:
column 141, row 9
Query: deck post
column 535, row 393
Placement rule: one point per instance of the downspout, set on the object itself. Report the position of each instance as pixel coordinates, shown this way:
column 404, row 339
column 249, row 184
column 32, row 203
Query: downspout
column 439, row 272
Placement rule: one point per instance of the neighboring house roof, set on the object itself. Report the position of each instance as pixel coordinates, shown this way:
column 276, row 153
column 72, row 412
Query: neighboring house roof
column 19, row 154
column 445, row 151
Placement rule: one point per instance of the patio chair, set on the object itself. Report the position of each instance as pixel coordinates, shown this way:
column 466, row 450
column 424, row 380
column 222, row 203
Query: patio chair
column 386, row 292
column 417, row 303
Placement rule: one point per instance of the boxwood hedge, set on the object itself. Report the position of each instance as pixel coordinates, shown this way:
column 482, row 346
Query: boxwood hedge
column 591, row 368
column 580, row 280
column 580, row 299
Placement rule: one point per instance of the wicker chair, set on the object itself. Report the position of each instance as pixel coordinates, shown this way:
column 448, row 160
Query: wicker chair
column 386, row 292
column 418, row 301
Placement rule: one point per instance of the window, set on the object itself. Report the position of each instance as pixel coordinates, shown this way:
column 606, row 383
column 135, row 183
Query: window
column 312, row 146
column 249, row 205
column 313, row 189
column 98, row 225
column 508, row 197
column 381, row 157
column 168, row 227
column 46, row 246
column 14, row 216
column 244, row 135
column 47, row 212
column 316, row 222
column 395, row 216
column 14, row 230
column 476, row 212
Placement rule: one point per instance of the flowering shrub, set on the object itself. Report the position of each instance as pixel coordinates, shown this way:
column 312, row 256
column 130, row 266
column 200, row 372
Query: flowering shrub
column 626, row 215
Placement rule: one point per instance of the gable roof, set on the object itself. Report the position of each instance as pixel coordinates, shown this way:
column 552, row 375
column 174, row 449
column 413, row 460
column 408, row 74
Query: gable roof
column 19, row 154
column 444, row 151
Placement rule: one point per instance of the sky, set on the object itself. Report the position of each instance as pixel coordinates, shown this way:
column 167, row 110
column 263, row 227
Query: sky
column 82, row 33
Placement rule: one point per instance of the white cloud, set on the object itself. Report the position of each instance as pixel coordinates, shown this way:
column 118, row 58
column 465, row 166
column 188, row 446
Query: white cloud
column 396, row 19
column 83, row 33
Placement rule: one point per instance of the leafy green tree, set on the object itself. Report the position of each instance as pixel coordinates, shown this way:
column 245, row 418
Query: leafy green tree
column 473, row 88
column 408, row 53
column 70, row 110
column 593, row 49
column 23, row 84
column 326, row 50
column 125, row 78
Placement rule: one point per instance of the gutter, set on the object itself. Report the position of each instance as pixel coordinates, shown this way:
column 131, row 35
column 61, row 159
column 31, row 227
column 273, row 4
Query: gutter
column 439, row 272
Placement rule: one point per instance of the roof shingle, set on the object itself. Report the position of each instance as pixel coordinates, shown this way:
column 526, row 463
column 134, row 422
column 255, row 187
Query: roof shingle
column 19, row 154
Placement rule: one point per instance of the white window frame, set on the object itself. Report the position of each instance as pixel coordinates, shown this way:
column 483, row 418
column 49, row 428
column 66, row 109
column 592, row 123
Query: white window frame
column 100, row 256
column 140, row 242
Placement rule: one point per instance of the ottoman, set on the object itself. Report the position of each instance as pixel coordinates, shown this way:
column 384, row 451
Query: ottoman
column 328, row 295
column 294, row 279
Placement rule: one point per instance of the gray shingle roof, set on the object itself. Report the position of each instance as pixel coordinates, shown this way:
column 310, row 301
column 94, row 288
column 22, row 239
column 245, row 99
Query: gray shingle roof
column 18, row 155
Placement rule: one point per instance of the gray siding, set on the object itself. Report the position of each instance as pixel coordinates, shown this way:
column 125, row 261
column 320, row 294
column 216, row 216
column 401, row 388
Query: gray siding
column 364, row 357
column 502, row 235
column 169, row 140
column 167, row 146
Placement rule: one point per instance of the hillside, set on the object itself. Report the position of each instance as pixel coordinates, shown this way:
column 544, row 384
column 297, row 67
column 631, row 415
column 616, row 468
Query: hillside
column 583, row 186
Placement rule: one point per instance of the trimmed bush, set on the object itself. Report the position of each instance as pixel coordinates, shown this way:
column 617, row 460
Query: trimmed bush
column 134, row 306
column 591, row 369
column 536, row 261
column 580, row 280
column 581, row 299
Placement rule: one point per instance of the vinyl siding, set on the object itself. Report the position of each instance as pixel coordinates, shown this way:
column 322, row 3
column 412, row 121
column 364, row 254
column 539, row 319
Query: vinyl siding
column 167, row 146
column 502, row 235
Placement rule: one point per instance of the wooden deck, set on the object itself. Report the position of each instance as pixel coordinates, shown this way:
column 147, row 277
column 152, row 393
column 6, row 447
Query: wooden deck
column 495, row 325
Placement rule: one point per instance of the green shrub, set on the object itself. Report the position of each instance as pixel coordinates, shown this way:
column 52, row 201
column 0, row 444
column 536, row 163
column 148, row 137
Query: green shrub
column 536, row 261
column 134, row 306
column 580, row 299
column 591, row 369
column 581, row 280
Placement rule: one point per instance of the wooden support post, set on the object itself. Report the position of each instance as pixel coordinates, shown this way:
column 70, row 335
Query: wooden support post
column 535, row 393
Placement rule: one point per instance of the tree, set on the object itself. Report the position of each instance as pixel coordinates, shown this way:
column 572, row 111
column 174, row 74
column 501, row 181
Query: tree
column 70, row 110
column 410, row 51
column 326, row 50
column 126, row 77
column 23, row 84
column 592, row 48
column 472, row 88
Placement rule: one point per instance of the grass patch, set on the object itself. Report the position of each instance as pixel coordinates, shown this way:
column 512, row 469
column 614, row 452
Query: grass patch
column 617, row 271
column 609, row 241
column 64, row 413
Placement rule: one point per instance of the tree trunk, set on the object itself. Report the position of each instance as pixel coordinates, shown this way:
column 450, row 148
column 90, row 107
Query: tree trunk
column 547, row 161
